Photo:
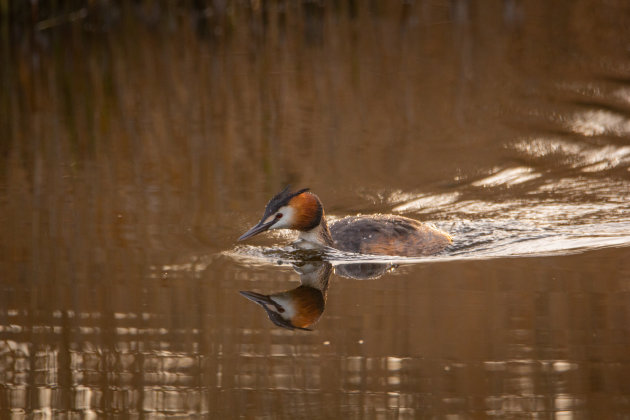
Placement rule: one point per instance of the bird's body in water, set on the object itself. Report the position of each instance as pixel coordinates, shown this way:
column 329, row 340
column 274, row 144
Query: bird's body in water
column 374, row 234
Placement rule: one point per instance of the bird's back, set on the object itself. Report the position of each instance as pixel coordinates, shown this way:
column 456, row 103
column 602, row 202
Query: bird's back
column 387, row 235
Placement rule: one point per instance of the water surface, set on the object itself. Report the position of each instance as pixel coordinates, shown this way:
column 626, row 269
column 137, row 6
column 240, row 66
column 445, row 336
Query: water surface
column 139, row 142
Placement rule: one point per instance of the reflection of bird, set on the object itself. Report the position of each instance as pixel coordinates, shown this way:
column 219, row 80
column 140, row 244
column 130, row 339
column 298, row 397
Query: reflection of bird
column 301, row 307
column 297, row 308
column 381, row 234
column 363, row 271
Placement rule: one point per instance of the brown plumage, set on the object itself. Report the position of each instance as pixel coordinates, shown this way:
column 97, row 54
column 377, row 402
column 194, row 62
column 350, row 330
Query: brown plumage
column 308, row 211
column 387, row 235
column 375, row 234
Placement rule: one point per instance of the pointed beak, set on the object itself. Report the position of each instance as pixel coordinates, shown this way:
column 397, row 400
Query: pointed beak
column 260, row 227
column 258, row 298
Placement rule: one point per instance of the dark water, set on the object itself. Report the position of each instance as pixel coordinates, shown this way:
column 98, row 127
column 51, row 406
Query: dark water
column 137, row 143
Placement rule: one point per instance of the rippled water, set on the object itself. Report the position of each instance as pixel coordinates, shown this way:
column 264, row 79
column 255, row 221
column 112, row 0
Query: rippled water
column 544, row 208
column 139, row 141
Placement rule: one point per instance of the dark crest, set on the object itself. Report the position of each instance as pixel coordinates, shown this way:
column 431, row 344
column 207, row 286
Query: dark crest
column 281, row 199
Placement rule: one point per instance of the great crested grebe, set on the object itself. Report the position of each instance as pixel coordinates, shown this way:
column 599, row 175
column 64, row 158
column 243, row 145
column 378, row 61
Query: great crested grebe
column 379, row 234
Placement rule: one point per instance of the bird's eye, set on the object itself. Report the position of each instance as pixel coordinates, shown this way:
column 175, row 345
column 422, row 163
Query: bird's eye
column 278, row 215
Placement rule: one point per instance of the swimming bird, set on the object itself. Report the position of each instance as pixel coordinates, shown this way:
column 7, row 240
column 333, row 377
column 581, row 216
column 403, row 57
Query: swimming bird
column 378, row 234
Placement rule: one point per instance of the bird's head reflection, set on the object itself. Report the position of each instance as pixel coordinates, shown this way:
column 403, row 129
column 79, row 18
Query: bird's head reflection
column 301, row 307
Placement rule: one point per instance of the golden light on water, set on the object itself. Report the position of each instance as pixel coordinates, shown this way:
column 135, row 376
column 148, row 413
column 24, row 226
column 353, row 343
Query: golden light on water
column 140, row 140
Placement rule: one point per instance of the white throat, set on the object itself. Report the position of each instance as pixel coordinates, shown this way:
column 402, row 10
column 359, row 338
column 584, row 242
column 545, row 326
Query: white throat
column 311, row 239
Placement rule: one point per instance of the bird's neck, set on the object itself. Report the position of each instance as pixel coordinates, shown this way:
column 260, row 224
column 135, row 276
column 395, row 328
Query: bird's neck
column 318, row 237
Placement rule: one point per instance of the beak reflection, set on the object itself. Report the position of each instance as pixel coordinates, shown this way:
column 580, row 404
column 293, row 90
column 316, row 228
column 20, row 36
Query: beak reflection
column 302, row 307
column 258, row 298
